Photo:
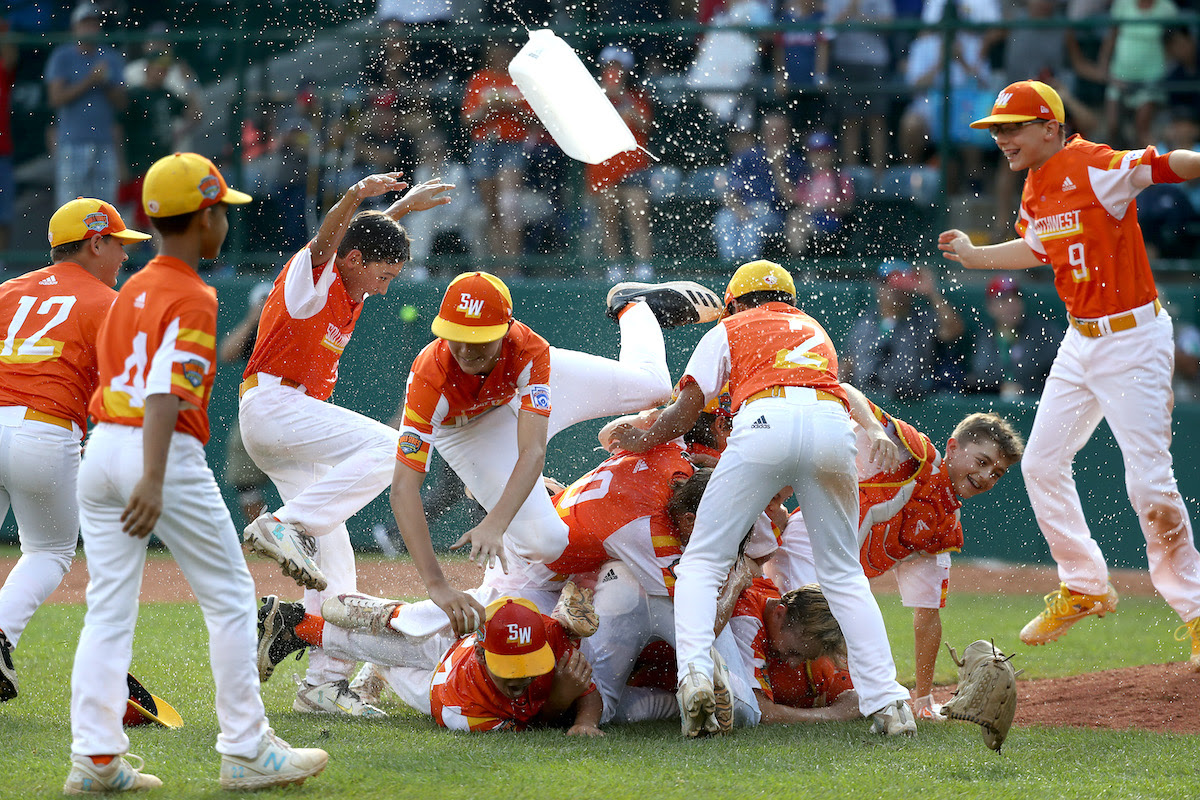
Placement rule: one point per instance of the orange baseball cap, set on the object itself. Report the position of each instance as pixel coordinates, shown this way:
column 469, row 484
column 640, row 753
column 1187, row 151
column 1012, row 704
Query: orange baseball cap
column 1024, row 101
column 85, row 217
column 514, row 642
column 185, row 182
column 477, row 308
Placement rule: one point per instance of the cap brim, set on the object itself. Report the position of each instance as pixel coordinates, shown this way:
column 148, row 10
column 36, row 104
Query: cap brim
column 166, row 714
column 1000, row 119
column 235, row 198
column 452, row 331
column 526, row 665
column 130, row 235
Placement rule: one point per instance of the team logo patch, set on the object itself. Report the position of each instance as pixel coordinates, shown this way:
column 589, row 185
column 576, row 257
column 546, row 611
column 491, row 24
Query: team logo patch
column 539, row 396
column 96, row 221
column 519, row 635
column 409, row 443
column 769, row 279
column 193, row 373
column 469, row 306
column 210, row 187
column 152, row 206
column 1002, row 99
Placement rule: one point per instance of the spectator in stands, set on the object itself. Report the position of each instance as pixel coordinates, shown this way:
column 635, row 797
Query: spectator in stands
column 8, row 183
column 458, row 225
column 84, row 86
column 1136, row 61
column 802, row 57
column 155, row 122
column 898, row 350
column 620, row 186
column 1035, row 52
column 1186, row 381
column 727, row 66
column 860, row 102
column 1183, row 74
column 757, row 189
column 180, row 80
column 498, row 120
column 422, row 25
column 1084, row 43
column 1014, row 350
column 822, row 197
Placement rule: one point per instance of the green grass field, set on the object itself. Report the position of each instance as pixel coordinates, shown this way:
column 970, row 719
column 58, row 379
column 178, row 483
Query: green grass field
column 407, row 756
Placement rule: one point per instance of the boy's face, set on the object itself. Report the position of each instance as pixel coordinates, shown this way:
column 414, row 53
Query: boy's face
column 214, row 233
column 974, row 467
column 793, row 646
column 512, row 688
column 476, row 358
column 365, row 278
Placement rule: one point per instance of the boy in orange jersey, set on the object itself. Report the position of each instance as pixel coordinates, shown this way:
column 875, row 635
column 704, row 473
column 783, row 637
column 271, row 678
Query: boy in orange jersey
column 794, row 431
column 909, row 518
column 489, row 393
column 145, row 472
column 49, row 318
column 327, row 462
column 1079, row 215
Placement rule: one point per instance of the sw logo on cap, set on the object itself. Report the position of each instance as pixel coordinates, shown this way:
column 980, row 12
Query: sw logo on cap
column 469, row 307
column 1002, row 99
column 518, row 634
column 96, row 221
column 210, row 187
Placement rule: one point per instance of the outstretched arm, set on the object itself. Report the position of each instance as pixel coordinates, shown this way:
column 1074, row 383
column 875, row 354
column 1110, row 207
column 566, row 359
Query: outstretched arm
column 675, row 420
column 1015, row 254
column 422, row 197
column 1185, row 164
column 337, row 220
column 845, row 707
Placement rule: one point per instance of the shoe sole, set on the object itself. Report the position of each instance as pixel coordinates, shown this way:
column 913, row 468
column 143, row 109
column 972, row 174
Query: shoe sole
column 267, row 781
column 271, row 628
column 1058, row 634
column 700, row 708
column 303, row 705
column 255, row 542
column 691, row 293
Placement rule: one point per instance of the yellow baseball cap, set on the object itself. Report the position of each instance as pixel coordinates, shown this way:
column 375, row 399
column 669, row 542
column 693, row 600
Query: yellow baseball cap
column 477, row 307
column 759, row 276
column 1024, row 101
column 183, row 183
column 85, row 217
column 514, row 640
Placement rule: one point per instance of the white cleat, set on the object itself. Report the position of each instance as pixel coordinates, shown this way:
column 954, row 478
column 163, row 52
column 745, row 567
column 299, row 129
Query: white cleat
column 674, row 303
column 356, row 611
column 697, row 703
column 335, row 697
column 288, row 545
column 894, row 719
column 119, row 775
column 276, row 764
column 369, row 684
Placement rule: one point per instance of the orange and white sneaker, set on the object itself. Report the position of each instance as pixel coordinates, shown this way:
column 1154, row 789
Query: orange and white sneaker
column 1063, row 609
column 1191, row 628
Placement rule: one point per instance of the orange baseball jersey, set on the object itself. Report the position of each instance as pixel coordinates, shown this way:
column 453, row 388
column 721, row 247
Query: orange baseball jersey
column 305, row 325
column 912, row 509
column 439, row 393
column 1078, row 214
column 749, row 626
column 813, row 684
column 49, row 319
column 159, row 338
column 772, row 345
column 463, row 697
column 619, row 510
column 506, row 124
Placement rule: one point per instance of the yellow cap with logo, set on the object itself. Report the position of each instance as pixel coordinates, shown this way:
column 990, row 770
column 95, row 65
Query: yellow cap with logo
column 185, row 182
column 477, row 307
column 759, row 276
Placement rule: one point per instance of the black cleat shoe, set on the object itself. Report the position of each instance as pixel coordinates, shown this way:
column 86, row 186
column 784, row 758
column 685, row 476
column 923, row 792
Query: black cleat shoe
column 277, row 637
column 8, row 673
column 674, row 303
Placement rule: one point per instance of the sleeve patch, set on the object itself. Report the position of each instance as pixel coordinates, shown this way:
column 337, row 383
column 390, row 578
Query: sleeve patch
column 410, row 443
column 539, row 397
column 193, row 372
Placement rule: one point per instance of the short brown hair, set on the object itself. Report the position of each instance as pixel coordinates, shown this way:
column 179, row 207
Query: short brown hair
column 686, row 498
column 984, row 426
column 378, row 237
column 808, row 612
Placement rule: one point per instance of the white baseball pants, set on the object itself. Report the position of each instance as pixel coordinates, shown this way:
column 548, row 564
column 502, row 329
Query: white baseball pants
column 327, row 463
column 39, row 465
column 582, row 386
column 1124, row 378
column 807, row 444
column 195, row 525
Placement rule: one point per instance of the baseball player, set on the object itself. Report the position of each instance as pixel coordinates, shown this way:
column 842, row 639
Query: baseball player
column 327, row 462
column 909, row 518
column 1079, row 215
column 520, row 669
column 49, row 318
column 145, row 472
column 795, row 430
column 481, row 394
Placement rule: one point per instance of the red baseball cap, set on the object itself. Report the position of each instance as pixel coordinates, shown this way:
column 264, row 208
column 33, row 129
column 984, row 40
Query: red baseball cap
column 514, row 642
column 85, row 217
column 1002, row 284
column 1024, row 101
column 477, row 307
column 899, row 275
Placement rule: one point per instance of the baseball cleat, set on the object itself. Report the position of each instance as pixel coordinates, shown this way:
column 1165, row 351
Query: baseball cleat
column 276, row 764
column 359, row 611
column 1182, row 632
column 722, row 718
column 575, row 611
column 369, row 684
column 894, row 719
column 119, row 775
column 697, row 703
column 1063, row 609
column 8, row 673
column 335, row 697
column 287, row 544
column 674, row 303
column 277, row 637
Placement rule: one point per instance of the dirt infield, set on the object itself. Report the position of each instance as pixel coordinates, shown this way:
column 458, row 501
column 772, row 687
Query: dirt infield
column 1158, row 697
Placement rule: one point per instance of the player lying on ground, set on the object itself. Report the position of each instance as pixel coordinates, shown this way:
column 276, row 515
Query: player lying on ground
column 909, row 518
column 1079, row 215
column 327, row 462
column 489, row 393
column 521, row 669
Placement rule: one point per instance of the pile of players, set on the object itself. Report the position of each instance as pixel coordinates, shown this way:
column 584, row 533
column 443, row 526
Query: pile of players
column 576, row 617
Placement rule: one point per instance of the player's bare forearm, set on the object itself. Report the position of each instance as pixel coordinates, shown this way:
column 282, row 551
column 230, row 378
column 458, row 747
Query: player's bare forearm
column 927, row 630
column 674, row 421
column 1185, row 164
column 145, row 501
column 844, row 708
column 884, row 452
column 337, row 219
column 588, row 710
column 422, row 197
column 1014, row 254
column 572, row 677
column 741, row 575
